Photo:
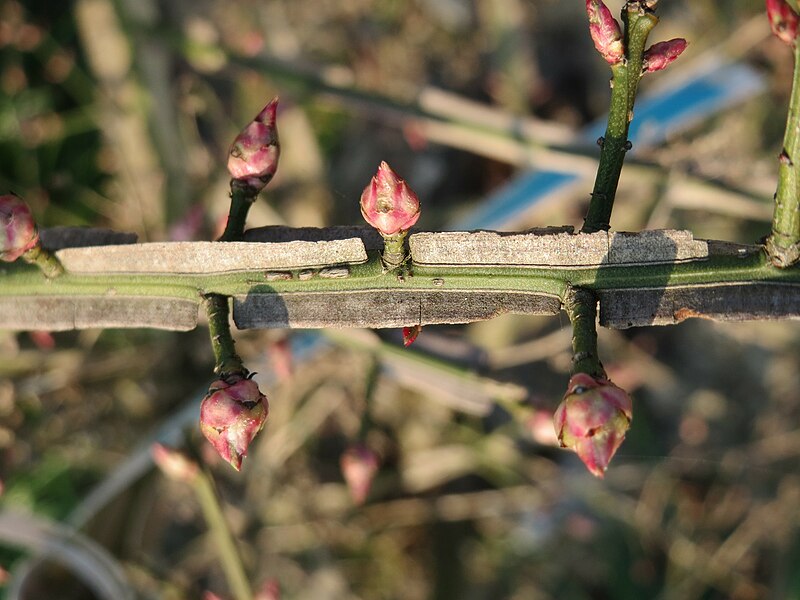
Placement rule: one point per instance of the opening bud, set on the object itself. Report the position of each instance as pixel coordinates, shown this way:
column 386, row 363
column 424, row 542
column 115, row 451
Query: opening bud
column 359, row 465
column 605, row 32
column 18, row 232
column 592, row 420
column 660, row 55
column 231, row 415
column 253, row 157
column 783, row 20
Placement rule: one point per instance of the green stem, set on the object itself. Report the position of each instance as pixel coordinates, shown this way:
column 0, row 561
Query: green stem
column 394, row 250
column 45, row 260
column 783, row 245
column 242, row 198
column 227, row 361
column 223, row 541
column 639, row 22
column 581, row 306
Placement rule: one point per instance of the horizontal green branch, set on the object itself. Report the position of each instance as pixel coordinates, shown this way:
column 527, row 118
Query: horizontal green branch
column 363, row 295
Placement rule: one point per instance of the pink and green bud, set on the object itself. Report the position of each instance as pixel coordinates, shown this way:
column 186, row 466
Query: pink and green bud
column 660, row 55
column 605, row 32
column 388, row 204
column 231, row 415
column 18, row 232
column 592, row 420
column 253, row 157
column 359, row 465
column 783, row 20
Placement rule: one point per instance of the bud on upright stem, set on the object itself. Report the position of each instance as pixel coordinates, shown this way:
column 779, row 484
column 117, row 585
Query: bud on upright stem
column 253, row 157
column 783, row 20
column 605, row 32
column 252, row 162
column 391, row 207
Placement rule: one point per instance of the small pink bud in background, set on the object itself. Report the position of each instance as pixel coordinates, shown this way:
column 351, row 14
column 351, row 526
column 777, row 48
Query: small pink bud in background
column 43, row 340
column 410, row 334
column 660, row 55
column 18, row 232
column 592, row 420
column 359, row 465
column 605, row 32
column 280, row 358
column 174, row 464
column 270, row 590
column 253, row 157
column 211, row 596
column 540, row 426
column 388, row 204
column 231, row 415
column 783, row 20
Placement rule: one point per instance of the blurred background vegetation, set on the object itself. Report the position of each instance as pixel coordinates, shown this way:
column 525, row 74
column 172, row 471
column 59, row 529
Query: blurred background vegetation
column 119, row 113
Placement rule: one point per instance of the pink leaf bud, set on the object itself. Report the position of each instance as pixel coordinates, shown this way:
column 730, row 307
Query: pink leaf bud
column 660, row 55
column 605, row 32
column 359, row 465
column 18, row 232
column 174, row 464
column 231, row 414
column 270, row 590
column 783, row 20
column 592, row 420
column 253, row 157
column 388, row 204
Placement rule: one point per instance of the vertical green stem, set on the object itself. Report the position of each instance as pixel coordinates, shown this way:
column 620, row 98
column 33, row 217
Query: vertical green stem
column 639, row 22
column 581, row 306
column 242, row 198
column 394, row 250
column 783, row 245
column 222, row 539
column 227, row 361
column 45, row 260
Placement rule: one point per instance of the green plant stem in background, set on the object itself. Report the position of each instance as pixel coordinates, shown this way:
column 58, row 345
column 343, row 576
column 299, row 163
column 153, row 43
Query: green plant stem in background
column 45, row 260
column 222, row 539
column 227, row 361
column 783, row 245
column 581, row 306
column 242, row 198
column 614, row 145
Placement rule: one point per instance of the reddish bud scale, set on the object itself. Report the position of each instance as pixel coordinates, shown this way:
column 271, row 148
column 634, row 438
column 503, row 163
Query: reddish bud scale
column 388, row 204
column 605, row 32
column 783, row 20
column 410, row 334
column 231, row 415
column 18, row 232
column 660, row 55
column 592, row 420
column 359, row 465
column 253, row 157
